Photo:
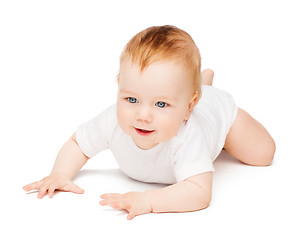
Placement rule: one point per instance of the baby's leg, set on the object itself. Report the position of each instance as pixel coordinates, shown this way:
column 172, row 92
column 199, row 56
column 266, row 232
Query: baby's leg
column 249, row 141
column 207, row 76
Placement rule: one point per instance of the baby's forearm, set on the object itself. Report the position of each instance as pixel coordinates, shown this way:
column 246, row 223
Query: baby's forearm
column 181, row 197
column 70, row 159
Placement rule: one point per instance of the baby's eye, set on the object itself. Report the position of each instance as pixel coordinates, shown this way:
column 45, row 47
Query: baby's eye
column 132, row 100
column 161, row 104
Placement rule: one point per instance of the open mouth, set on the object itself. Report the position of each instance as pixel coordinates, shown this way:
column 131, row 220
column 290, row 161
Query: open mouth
column 144, row 132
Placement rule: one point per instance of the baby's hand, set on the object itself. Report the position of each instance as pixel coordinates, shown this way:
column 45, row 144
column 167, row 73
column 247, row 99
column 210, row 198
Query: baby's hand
column 136, row 203
column 51, row 183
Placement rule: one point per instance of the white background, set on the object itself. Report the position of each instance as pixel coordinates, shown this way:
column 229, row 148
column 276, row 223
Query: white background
column 58, row 64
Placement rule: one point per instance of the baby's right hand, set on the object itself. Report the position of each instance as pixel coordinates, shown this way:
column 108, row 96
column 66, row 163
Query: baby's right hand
column 51, row 183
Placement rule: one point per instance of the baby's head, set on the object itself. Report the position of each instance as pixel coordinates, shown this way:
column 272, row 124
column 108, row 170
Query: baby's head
column 158, row 84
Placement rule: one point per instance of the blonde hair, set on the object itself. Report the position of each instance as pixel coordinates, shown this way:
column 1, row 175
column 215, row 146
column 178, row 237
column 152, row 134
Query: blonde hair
column 164, row 43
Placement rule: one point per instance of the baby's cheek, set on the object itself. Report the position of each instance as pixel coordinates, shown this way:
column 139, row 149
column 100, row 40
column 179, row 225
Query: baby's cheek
column 169, row 129
column 123, row 118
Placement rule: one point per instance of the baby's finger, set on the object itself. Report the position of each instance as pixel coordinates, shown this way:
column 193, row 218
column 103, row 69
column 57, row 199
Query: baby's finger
column 73, row 188
column 32, row 186
column 110, row 195
column 119, row 205
column 103, row 202
column 131, row 215
column 42, row 191
column 41, row 194
column 110, row 201
column 51, row 191
column 107, row 201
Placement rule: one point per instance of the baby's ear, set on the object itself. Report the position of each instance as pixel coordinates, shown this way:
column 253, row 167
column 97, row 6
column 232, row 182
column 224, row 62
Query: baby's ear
column 191, row 105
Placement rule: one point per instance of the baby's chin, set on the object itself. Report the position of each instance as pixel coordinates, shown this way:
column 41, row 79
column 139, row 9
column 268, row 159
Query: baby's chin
column 145, row 145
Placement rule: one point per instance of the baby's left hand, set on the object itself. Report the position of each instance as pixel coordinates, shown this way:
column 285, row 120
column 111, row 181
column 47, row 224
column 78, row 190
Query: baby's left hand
column 136, row 203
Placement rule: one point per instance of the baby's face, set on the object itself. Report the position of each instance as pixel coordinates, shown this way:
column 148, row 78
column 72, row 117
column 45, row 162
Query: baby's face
column 152, row 105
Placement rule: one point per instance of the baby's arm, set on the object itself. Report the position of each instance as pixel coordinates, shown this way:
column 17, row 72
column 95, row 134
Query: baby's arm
column 191, row 194
column 69, row 161
column 70, row 158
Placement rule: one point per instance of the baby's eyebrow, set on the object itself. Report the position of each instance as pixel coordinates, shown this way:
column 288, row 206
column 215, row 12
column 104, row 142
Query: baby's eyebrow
column 166, row 98
column 157, row 97
column 127, row 92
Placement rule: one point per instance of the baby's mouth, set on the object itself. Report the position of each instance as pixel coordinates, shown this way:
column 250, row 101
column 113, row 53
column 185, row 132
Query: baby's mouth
column 144, row 132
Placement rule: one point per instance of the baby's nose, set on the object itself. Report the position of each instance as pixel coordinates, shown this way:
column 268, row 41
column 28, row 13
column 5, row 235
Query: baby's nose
column 144, row 114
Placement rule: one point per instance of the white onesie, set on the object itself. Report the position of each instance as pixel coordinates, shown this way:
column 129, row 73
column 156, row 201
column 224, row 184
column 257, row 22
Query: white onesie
column 192, row 151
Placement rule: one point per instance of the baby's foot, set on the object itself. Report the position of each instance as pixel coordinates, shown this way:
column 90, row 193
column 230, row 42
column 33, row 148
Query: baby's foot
column 207, row 76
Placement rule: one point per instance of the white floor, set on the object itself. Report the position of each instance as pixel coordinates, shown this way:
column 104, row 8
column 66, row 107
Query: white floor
column 248, row 203
column 58, row 62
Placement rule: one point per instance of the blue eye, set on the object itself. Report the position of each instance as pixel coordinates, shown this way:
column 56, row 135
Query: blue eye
column 161, row 104
column 132, row 100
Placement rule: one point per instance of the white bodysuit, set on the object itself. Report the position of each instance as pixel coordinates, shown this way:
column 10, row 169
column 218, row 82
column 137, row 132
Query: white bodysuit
column 192, row 151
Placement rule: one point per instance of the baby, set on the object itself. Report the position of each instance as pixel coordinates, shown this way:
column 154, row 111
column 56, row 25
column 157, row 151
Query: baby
column 168, row 126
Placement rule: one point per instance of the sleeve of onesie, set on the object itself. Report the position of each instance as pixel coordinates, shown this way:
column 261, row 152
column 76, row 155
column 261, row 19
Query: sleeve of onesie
column 193, row 156
column 94, row 136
